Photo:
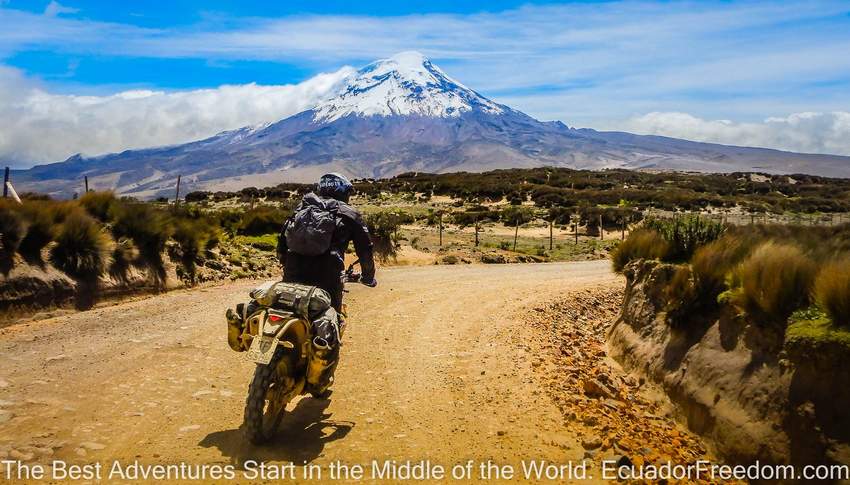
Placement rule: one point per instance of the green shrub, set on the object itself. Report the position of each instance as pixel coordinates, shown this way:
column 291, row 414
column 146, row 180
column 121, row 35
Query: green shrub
column 517, row 215
column 98, row 204
column 772, row 283
column 81, row 252
column 681, row 296
column 191, row 236
column 12, row 232
column 686, row 234
column 266, row 242
column 475, row 214
column 641, row 244
column 149, row 230
column 450, row 259
column 433, row 218
column 40, row 218
column 832, row 290
column 229, row 220
column 124, row 255
column 262, row 220
column 713, row 262
column 383, row 228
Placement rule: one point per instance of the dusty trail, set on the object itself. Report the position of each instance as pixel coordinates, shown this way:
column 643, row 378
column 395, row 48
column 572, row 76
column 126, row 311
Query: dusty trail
column 433, row 367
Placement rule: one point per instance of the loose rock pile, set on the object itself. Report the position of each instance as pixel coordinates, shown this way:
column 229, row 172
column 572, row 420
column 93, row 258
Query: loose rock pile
column 612, row 413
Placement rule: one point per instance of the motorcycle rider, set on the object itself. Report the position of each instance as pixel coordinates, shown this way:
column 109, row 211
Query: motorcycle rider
column 312, row 246
column 324, row 270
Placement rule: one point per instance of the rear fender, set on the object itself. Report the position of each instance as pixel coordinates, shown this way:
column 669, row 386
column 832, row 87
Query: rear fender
column 294, row 337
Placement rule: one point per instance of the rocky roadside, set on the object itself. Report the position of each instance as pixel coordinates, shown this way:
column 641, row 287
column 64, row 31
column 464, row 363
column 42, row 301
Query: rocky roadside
column 616, row 416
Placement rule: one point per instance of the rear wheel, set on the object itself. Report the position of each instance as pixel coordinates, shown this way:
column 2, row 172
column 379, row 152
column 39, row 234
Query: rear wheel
column 264, row 407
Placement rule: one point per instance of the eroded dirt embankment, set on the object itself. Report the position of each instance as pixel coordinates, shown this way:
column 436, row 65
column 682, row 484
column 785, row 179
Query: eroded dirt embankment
column 734, row 382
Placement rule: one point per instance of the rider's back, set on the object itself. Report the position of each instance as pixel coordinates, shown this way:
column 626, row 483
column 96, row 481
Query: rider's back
column 313, row 252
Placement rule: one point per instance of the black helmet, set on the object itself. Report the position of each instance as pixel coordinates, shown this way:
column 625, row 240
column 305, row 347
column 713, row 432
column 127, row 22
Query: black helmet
column 335, row 186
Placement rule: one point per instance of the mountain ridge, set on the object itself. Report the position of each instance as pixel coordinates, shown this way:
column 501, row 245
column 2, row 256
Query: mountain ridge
column 397, row 115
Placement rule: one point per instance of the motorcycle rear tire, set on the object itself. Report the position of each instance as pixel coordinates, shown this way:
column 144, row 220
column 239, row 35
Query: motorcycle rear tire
column 257, row 425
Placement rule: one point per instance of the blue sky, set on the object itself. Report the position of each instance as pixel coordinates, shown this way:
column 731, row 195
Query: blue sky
column 98, row 76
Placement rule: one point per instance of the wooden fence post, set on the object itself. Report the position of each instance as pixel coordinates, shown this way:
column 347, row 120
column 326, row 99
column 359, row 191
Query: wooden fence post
column 441, row 229
column 601, row 229
column 516, row 233
column 551, row 225
column 476, row 231
column 86, row 179
column 177, row 194
column 6, row 184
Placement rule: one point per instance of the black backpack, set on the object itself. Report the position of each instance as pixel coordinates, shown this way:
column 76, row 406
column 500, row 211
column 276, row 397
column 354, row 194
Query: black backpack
column 311, row 229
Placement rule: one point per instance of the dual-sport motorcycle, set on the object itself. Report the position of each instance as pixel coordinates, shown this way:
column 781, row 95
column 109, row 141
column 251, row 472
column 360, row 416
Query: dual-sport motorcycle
column 284, row 347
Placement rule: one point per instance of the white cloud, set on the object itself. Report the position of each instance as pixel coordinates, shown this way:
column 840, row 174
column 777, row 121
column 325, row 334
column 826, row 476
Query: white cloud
column 55, row 8
column 36, row 125
column 799, row 132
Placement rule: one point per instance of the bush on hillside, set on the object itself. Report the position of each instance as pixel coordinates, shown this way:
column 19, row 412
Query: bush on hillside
column 261, row 220
column 149, row 230
column 772, row 283
column 98, row 204
column 228, row 220
column 81, row 252
column 517, row 215
column 12, row 232
column 383, row 228
column 832, row 290
column 641, row 244
column 40, row 219
column 124, row 256
column 192, row 237
column 681, row 296
column 472, row 215
column 686, row 234
column 713, row 262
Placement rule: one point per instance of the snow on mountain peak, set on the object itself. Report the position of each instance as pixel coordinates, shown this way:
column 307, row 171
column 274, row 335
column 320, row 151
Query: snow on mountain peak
column 405, row 84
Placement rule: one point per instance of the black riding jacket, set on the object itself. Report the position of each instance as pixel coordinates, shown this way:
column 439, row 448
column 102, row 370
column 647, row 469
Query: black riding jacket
column 349, row 227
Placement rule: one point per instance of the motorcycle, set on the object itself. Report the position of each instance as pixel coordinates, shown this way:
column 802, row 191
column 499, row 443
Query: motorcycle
column 281, row 344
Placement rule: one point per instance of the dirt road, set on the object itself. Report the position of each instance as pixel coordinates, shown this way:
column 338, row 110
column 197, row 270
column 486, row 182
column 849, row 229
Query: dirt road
column 433, row 367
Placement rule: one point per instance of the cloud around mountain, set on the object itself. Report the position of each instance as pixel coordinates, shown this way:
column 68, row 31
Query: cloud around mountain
column 806, row 132
column 38, row 126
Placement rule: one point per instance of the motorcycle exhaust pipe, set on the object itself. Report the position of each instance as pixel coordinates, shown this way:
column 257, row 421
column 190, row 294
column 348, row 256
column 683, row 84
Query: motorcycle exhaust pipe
column 320, row 361
column 235, row 327
column 321, row 344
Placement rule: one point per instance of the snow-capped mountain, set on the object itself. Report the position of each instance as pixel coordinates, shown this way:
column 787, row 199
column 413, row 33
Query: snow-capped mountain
column 397, row 115
column 403, row 85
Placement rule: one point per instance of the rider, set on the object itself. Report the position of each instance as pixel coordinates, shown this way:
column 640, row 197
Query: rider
column 324, row 270
column 312, row 246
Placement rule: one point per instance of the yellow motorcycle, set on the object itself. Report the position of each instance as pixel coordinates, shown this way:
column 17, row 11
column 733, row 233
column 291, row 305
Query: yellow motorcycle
column 288, row 356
